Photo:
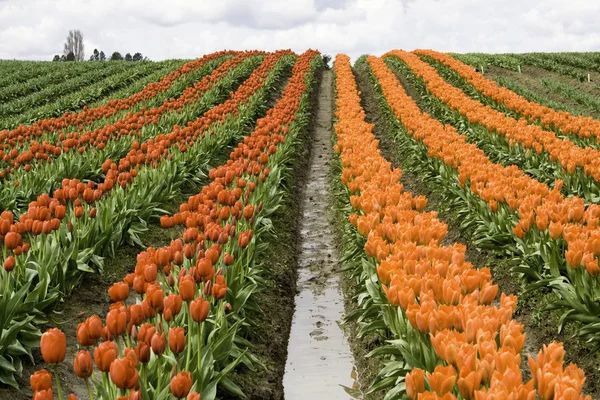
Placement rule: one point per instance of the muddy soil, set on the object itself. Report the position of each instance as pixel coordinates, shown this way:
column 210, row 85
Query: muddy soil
column 530, row 78
column 541, row 326
column 319, row 363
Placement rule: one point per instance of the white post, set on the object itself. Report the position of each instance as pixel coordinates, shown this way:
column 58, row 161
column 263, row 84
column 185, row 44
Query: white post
column 589, row 80
column 519, row 68
column 481, row 69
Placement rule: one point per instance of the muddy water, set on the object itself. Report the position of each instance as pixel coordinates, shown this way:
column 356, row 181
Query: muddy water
column 319, row 363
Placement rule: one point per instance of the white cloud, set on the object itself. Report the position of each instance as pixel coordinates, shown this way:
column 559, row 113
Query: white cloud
column 35, row 29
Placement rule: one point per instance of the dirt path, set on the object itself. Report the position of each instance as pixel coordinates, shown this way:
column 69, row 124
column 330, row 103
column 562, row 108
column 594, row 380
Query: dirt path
column 319, row 357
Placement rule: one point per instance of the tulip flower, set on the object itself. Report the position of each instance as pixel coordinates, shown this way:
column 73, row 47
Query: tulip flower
column 43, row 395
column 187, row 288
column 41, row 380
column 104, row 355
column 176, row 340
column 415, row 383
column 123, row 373
column 53, row 346
column 158, row 343
column 199, row 309
column 181, row 384
column 118, row 292
column 9, row 263
column 82, row 365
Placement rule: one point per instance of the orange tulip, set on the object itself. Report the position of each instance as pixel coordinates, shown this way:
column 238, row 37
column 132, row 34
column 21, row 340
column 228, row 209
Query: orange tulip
column 43, row 395
column 118, row 292
column 181, row 384
column 176, row 340
column 193, row 396
column 158, row 343
column 142, row 351
column 82, row 365
column 53, row 346
column 84, row 336
column 94, row 325
column 104, row 355
column 123, row 373
column 116, row 322
column 41, row 380
column 187, row 288
column 415, row 383
column 9, row 263
column 442, row 379
column 199, row 309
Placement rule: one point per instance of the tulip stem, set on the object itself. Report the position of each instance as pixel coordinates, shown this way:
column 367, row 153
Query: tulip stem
column 58, row 387
column 200, row 334
column 189, row 337
column 159, row 375
column 89, row 390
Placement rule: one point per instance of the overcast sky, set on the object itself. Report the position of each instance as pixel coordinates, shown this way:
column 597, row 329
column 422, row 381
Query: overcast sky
column 162, row 29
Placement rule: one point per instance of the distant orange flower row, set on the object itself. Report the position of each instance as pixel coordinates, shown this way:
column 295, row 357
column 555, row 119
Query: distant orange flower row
column 533, row 137
column 584, row 127
column 440, row 293
column 131, row 124
column 44, row 214
column 88, row 115
column 538, row 206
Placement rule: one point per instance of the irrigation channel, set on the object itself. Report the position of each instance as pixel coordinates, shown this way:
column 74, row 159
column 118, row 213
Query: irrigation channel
column 319, row 364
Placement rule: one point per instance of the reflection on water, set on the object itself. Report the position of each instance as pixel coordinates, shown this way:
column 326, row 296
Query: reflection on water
column 320, row 364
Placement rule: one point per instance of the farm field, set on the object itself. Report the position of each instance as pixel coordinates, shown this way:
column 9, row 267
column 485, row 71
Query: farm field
column 272, row 225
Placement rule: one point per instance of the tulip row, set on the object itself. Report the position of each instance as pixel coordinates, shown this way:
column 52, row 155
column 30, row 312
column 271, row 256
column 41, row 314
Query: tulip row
column 58, row 257
column 584, row 127
column 564, row 152
column 87, row 116
column 117, row 86
column 32, row 153
column 493, row 199
column 44, row 176
column 192, row 292
column 444, row 322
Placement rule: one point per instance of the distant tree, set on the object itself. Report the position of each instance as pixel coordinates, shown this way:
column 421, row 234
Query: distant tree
column 128, row 57
column 71, row 57
column 74, row 44
column 138, row 56
column 63, row 58
column 326, row 59
column 116, row 56
column 102, row 57
column 56, row 58
column 95, row 56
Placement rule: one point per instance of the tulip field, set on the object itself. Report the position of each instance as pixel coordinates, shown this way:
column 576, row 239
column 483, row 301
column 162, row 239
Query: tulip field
column 465, row 190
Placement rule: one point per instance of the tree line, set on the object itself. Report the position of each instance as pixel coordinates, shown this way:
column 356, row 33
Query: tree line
column 74, row 51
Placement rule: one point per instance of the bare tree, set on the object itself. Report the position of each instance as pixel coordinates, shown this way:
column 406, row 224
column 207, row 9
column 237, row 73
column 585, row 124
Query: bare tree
column 74, row 44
